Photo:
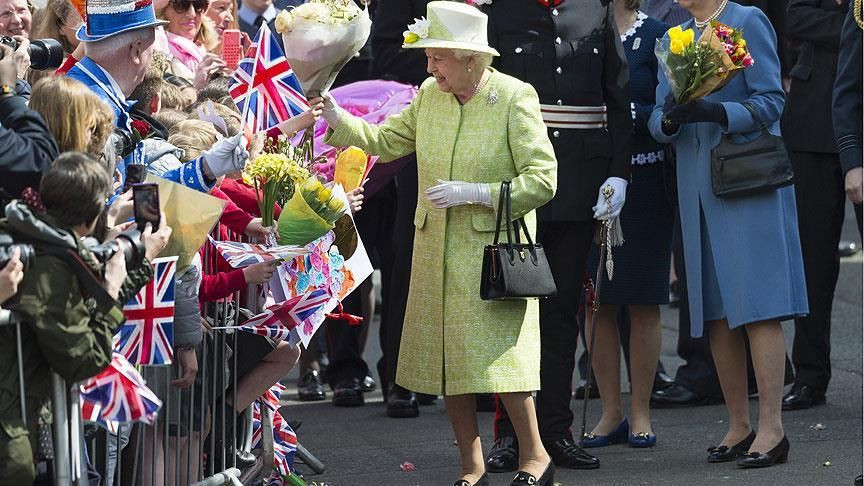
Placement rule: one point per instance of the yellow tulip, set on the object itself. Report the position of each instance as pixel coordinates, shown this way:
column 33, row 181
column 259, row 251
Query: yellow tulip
column 411, row 38
column 687, row 37
column 675, row 32
column 350, row 166
column 676, row 46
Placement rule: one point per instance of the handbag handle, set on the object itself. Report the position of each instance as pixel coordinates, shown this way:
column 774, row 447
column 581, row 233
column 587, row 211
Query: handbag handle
column 749, row 106
column 505, row 189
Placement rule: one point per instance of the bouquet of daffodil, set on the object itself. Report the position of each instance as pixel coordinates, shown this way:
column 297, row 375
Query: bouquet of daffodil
column 320, row 37
column 697, row 68
column 274, row 174
column 310, row 213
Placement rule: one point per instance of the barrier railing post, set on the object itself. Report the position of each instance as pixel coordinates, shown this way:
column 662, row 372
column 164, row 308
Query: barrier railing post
column 76, row 439
column 62, row 467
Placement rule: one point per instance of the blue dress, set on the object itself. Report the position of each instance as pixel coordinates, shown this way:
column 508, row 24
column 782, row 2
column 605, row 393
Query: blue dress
column 642, row 263
column 743, row 255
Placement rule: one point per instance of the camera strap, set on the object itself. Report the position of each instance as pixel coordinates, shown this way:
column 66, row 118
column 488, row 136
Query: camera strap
column 89, row 281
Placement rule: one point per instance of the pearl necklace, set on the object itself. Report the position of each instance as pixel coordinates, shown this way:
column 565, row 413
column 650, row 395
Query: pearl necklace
column 701, row 25
column 477, row 87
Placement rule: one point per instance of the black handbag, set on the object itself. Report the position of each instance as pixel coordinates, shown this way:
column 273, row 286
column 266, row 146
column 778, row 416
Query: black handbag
column 514, row 270
column 744, row 169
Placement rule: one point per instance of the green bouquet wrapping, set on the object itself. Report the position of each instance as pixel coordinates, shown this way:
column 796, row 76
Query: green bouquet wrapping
column 310, row 213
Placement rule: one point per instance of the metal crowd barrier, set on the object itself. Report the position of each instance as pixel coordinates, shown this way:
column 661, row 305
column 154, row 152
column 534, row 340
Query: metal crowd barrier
column 159, row 454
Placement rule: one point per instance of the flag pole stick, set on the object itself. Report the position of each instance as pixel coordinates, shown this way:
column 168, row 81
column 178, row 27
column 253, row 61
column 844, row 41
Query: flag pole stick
column 260, row 37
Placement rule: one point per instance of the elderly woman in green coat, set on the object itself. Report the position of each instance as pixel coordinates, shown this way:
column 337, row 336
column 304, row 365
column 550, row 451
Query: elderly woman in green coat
column 472, row 128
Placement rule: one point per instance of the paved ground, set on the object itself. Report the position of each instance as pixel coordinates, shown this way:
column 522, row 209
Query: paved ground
column 361, row 446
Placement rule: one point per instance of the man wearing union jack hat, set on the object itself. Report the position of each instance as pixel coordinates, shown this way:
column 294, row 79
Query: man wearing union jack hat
column 118, row 38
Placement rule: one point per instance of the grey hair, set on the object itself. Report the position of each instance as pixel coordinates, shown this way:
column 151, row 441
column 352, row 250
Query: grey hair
column 114, row 45
column 483, row 59
column 110, row 152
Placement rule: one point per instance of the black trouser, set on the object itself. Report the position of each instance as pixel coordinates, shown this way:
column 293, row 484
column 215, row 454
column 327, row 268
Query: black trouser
column 402, row 246
column 821, row 201
column 567, row 245
column 374, row 226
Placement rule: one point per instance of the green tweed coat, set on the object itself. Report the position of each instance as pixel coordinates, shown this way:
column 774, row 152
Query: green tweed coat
column 452, row 342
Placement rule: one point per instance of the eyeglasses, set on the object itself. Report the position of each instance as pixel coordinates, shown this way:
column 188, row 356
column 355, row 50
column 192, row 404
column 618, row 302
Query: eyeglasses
column 181, row 6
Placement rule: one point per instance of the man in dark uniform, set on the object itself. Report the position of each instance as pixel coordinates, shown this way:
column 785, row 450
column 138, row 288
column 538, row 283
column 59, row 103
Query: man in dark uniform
column 814, row 25
column 570, row 51
column 847, row 103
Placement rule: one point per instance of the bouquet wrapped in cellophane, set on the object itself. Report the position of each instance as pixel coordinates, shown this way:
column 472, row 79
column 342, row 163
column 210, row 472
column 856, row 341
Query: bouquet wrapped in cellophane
column 274, row 175
column 697, row 68
column 310, row 213
column 320, row 37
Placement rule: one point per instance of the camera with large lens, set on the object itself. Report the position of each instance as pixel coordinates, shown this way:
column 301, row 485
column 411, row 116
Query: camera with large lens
column 25, row 254
column 44, row 53
column 128, row 242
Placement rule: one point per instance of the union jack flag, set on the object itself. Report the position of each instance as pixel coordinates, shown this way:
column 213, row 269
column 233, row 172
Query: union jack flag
column 91, row 411
column 120, row 394
column 265, row 81
column 240, row 255
column 284, row 439
column 277, row 321
column 147, row 336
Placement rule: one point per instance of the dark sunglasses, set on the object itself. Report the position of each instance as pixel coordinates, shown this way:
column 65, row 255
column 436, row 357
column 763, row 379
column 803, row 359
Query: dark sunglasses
column 181, row 6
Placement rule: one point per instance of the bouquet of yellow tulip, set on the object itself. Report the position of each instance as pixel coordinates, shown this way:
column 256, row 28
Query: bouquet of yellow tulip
column 309, row 214
column 697, row 68
column 351, row 166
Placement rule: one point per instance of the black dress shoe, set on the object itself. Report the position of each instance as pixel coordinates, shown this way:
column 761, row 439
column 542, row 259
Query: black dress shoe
column 483, row 481
column 485, row 402
column 859, row 480
column 368, row 384
column 777, row 455
column 524, row 479
column 579, row 392
column 802, row 397
column 567, row 454
column 402, row 403
column 348, row 393
column 504, row 456
column 426, row 399
column 728, row 454
column 662, row 381
column 310, row 388
column 678, row 396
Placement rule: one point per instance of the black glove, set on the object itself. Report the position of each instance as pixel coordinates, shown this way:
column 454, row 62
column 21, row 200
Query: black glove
column 668, row 127
column 697, row 111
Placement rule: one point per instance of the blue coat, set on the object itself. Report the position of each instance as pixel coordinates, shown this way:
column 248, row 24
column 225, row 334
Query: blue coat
column 753, row 240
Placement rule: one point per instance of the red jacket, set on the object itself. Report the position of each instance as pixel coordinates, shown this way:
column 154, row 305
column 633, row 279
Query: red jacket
column 244, row 197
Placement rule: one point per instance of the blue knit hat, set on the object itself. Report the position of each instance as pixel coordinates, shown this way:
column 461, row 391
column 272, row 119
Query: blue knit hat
column 107, row 18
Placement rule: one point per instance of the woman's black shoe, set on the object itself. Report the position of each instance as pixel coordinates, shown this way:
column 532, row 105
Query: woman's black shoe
column 777, row 455
column 727, row 454
column 310, row 388
column 524, row 479
column 483, row 481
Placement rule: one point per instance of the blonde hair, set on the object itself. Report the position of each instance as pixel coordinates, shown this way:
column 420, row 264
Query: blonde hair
column 193, row 137
column 172, row 97
column 46, row 25
column 170, row 118
column 206, row 35
column 79, row 120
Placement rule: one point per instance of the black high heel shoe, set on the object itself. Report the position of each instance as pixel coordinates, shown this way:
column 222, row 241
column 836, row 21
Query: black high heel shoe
column 777, row 455
column 483, row 481
column 524, row 479
column 728, row 454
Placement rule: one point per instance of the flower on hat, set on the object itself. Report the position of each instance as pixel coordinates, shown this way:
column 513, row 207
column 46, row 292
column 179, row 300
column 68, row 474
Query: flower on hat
column 416, row 31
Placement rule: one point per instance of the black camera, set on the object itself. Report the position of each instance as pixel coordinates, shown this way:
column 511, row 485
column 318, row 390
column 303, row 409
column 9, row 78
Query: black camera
column 44, row 53
column 128, row 242
column 26, row 252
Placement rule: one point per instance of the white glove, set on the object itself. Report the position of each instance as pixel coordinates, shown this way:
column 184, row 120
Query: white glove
column 453, row 193
column 619, row 194
column 226, row 156
column 332, row 112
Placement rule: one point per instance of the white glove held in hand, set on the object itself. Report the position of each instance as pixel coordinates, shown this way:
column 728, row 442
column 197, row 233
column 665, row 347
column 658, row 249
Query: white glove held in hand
column 601, row 210
column 453, row 193
column 226, row 156
column 332, row 112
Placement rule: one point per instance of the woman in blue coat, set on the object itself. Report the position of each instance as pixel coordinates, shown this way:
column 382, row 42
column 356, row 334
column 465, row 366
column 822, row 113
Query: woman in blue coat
column 744, row 267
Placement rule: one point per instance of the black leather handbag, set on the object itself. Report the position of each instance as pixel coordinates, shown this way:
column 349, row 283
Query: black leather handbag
column 744, row 169
column 514, row 270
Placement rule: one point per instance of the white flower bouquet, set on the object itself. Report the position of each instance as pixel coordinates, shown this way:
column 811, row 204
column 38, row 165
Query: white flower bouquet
column 320, row 37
